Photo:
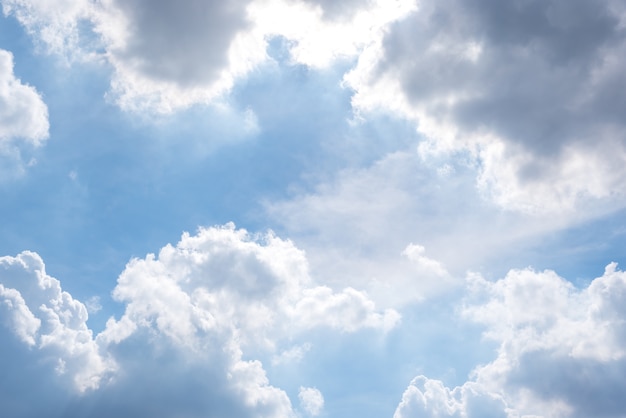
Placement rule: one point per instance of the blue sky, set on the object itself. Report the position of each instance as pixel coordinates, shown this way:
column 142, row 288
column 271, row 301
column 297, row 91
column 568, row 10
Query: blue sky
column 297, row 208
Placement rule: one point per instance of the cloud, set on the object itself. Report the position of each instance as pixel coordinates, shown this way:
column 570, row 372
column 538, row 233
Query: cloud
column 291, row 355
column 524, row 86
column 397, row 230
column 426, row 398
column 47, row 318
column 550, row 332
column 55, row 25
column 170, row 56
column 560, row 350
column 23, row 119
column 311, row 400
column 196, row 319
column 192, row 289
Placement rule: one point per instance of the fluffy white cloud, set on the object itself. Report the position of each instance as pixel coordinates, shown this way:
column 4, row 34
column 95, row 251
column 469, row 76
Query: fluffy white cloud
column 551, row 333
column 200, row 313
column 222, row 295
column 224, row 279
column 44, row 316
column 560, row 350
column 425, row 398
column 524, row 86
column 311, row 400
column 23, row 118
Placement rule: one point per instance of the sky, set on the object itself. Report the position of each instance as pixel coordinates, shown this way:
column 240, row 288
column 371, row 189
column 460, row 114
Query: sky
column 311, row 208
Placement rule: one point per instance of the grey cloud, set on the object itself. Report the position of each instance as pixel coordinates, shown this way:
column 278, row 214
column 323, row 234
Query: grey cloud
column 185, row 42
column 563, row 30
column 536, row 80
column 590, row 387
column 158, row 380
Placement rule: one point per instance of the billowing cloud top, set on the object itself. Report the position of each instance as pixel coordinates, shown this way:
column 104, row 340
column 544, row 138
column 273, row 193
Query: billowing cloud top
column 209, row 301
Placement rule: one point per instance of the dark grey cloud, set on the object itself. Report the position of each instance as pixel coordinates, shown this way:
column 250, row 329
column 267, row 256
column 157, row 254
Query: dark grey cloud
column 184, row 42
column 539, row 79
column 590, row 387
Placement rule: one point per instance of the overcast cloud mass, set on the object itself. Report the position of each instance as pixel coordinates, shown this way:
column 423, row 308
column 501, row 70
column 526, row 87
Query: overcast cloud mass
column 312, row 208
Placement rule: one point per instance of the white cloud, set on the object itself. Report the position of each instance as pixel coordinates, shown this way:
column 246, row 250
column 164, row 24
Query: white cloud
column 322, row 31
column 502, row 91
column 415, row 253
column 202, row 310
column 43, row 315
column 18, row 316
column 534, row 311
column 560, row 350
column 311, row 400
column 193, row 289
column 23, row 119
column 426, row 398
column 55, row 24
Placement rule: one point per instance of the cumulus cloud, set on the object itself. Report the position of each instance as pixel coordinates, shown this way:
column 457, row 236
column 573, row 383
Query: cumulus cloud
column 223, row 294
column 426, row 398
column 560, row 350
column 23, row 118
column 199, row 314
column 223, row 279
column 44, row 316
column 525, row 86
column 550, row 332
